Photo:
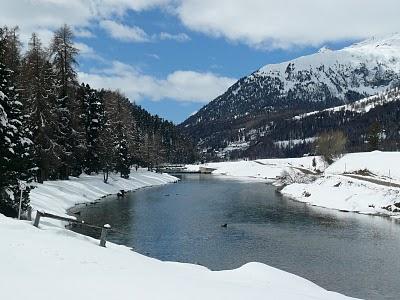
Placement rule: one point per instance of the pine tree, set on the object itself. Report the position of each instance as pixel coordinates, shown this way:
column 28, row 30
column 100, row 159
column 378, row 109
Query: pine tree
column 16, row 161
column 93, row 120
column 64, row 60
column 123, row 161
column 374, row 136
column 39, row 99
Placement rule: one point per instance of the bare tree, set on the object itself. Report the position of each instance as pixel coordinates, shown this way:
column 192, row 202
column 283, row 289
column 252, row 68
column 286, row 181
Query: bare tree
column 331, row 145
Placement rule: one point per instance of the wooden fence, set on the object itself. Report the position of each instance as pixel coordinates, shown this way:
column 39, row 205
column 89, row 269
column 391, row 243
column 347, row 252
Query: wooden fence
column 104, row 229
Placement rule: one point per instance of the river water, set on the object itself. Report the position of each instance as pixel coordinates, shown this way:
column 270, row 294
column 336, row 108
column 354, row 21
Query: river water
column 353, row 254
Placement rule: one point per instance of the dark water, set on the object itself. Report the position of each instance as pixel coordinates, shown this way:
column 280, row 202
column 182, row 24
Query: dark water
column 353, row 254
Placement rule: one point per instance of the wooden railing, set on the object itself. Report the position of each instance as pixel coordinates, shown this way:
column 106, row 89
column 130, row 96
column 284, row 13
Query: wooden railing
column 104, row 229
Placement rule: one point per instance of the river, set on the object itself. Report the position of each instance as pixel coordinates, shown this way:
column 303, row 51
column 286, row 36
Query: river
column 353, row 254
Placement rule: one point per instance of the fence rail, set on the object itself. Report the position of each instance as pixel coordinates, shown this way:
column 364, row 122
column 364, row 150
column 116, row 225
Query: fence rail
column 104, row 229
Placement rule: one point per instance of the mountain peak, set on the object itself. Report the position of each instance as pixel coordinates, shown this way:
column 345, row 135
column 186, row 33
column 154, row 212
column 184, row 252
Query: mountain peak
column 388, row 41
column 324, row 49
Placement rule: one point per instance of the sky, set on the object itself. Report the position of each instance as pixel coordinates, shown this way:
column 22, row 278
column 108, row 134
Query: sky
column 174, row 56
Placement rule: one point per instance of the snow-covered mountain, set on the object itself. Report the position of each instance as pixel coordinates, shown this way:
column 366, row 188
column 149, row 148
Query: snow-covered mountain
column 325, row 79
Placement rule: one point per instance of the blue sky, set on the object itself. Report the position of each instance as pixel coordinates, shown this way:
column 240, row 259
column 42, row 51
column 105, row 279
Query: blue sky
column 174, row 56
column 199, row 52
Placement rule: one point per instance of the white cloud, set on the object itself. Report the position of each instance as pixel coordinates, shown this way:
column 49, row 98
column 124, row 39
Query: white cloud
column 287, row 23
column 180, row 37
column 153, row 55
column 43, row 16
column 258, row 23
column 87, row 51
column 123, row 32
column 84, row 33
column 185, row 86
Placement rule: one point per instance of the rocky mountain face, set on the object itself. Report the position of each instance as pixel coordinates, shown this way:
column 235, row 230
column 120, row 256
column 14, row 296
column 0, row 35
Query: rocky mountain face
column 249, row 110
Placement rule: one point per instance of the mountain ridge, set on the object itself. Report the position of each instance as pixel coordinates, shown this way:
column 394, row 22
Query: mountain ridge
column 318, row 81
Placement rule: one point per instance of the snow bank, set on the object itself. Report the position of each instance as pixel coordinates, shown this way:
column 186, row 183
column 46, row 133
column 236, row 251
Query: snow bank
column 344, row 193
column 378, row 163
column 54, row 263
column 373, row 192
column 58, row 196
column 370, row 193
column 268, row 169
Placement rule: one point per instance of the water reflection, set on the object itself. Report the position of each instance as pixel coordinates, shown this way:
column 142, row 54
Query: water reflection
column 344, row 252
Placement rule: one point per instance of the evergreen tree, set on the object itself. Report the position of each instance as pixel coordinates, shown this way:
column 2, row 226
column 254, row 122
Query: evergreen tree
column 374, row 136
column 16, row 162
column 123, row 161
column 93, row 118
column 39, row 99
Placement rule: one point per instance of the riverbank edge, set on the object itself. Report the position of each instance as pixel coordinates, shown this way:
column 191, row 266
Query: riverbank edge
column 372, row 209
column 300, row 179
column 52, row 245
column 61, row 196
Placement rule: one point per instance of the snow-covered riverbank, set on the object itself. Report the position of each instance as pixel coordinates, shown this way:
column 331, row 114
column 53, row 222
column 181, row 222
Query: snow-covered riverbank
column 358, row 182
column 58, row 196
column 54, row 263
column 51, row 262
column 267, row 169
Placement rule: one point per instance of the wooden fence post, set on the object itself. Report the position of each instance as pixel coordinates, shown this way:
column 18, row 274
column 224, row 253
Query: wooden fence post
column 29, row 214
column 103, row 236
column 37, row 219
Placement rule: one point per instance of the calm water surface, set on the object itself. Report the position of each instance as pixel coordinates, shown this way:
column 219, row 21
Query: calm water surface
column 353, row 254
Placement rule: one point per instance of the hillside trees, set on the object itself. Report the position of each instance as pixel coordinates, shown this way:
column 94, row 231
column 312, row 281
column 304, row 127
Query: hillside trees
column 52, row 127
column 16, row 161
column 39, row 94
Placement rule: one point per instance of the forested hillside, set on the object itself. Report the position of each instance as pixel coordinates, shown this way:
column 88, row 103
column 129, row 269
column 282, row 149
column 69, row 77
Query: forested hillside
column 247, row 113
column 53, row 127
column 368, row 124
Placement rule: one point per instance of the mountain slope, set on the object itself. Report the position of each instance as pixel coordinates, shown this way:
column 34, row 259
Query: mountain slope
column 274, row 92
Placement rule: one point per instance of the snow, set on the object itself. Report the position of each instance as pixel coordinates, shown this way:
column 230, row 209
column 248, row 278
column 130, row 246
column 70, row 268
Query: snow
column 51, row 262
column 291, row 143
column 372, row 192
column 342, row 186
column 377, row 54
column 269, row 169
column 58, row 196
column 360, row 106
column 344, row 193
column 379, row 163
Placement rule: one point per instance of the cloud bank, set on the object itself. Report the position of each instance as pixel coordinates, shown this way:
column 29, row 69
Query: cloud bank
column 185, row 86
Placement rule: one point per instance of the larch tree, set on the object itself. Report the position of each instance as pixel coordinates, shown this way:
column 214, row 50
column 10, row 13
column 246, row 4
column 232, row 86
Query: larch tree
column 64, row 61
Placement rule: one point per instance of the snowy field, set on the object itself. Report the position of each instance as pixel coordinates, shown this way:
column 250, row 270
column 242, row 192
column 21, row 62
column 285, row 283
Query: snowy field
column 51, row 262
column 268, row 169
column 360, row 182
